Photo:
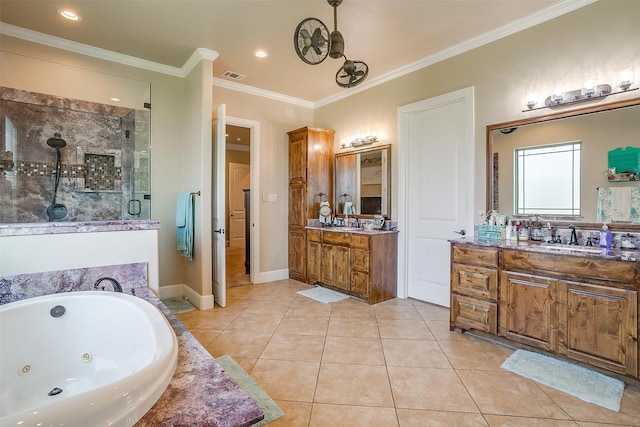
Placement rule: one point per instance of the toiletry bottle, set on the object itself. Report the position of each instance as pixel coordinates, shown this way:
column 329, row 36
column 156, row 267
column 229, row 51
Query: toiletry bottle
column 605, row 236
column 508, row 231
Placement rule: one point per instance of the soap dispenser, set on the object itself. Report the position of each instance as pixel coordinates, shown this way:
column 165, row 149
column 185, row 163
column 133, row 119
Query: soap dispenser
column 605, row 236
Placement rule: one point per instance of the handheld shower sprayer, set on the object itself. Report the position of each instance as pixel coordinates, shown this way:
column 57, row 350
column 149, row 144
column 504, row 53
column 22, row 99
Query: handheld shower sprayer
column 56, row 211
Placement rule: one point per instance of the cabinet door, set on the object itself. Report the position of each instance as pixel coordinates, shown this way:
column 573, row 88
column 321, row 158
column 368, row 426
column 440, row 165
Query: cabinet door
column 297, row 196
column 602, row 326
column 473, row 313
column 314, row 257
column 529, row 309
column 298, row 157
column 334, row 269
column 297, row 255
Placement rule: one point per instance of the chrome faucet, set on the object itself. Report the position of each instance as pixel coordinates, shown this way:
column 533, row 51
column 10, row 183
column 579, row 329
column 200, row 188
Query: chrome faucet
column 114, row 283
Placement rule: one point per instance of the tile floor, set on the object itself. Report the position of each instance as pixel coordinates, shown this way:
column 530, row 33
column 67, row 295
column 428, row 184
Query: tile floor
column 391, row 364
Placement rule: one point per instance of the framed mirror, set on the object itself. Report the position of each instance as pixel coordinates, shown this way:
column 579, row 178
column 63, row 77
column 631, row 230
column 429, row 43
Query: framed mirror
column 595, row 130
column 363, row 181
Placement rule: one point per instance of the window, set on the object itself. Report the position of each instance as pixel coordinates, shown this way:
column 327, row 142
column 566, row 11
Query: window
column 547, row 180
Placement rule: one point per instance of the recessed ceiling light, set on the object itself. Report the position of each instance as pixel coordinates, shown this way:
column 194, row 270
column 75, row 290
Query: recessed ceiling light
column 69, row 14
column 114, row 99
column 261, row 53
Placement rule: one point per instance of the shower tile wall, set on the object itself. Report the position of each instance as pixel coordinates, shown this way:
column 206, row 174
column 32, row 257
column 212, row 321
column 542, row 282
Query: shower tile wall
column 97, row 162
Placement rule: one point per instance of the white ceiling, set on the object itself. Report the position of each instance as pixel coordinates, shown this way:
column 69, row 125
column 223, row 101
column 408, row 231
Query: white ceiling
column 391, row 36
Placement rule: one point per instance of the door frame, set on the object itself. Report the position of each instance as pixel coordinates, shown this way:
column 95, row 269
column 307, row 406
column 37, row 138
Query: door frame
column 254, row 174
column 466, row 94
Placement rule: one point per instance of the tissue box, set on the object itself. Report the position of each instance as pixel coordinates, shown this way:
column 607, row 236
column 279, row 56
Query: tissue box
column 624, row 159
column 491, row 232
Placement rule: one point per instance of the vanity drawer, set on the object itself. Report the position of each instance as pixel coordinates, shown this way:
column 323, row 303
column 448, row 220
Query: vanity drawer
column 336, row 238
column 360, row 260
column 314, row 235
column 474, row 313
column 360, row 241
column 475, row 281
column 475, row 255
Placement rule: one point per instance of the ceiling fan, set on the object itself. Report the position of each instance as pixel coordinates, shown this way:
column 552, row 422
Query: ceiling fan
column 313, row 43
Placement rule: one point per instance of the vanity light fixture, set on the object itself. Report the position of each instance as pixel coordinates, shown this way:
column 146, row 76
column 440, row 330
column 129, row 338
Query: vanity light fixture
column 359, row 141
column 590, row 91
column 69, row 14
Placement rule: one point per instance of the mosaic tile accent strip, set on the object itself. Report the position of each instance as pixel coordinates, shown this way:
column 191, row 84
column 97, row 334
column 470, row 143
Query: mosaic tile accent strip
column 101, row 172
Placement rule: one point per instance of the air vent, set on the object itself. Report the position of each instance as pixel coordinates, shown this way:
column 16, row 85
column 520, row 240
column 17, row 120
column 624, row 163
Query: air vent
column 233, row 75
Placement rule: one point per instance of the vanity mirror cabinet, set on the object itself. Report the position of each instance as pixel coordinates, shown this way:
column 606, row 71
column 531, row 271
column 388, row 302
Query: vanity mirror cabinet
column 363, row 178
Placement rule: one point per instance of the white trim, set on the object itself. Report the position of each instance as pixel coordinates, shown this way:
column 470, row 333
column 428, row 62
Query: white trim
column 239, row 87
column 270, row 276
column 467, row 95
column 536, row 18
column 107, row 55
column 254, row 185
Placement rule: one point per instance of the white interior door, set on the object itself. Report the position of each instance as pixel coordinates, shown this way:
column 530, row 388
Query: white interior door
column 437, row 152
column 219, row 211
column 239, row 175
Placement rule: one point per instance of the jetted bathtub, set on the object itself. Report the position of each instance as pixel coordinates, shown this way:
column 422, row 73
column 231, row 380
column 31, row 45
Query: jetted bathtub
column 83, row 359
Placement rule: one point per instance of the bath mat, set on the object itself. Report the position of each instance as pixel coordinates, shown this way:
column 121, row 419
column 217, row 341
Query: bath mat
column 178, row 305
column 575, row 380
column 271, row 410
column 323, row 295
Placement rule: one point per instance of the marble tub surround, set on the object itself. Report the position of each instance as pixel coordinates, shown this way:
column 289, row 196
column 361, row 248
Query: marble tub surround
column 200, row 393
column 132, row 277
column 35, row 228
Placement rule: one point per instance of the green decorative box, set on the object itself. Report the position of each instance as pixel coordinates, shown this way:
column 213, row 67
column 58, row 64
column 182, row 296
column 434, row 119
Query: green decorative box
column 624, row 159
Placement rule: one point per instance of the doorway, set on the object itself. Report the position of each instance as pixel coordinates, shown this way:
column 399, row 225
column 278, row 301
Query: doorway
column 238, row 172
column 435, row 186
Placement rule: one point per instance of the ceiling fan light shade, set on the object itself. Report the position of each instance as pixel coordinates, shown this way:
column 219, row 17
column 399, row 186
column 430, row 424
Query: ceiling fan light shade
column 337, row 45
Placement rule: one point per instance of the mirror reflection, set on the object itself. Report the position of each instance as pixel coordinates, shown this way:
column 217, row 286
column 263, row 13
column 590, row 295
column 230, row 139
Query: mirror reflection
column 553, row 166
column 362, row 182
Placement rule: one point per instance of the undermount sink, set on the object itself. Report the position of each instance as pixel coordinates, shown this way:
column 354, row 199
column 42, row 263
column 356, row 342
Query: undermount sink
column 573, row 248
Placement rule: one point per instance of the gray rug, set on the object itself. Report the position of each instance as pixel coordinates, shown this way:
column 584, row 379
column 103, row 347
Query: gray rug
column 178, row 305
column 575, row 380
column 323, row 295
column 271, row 410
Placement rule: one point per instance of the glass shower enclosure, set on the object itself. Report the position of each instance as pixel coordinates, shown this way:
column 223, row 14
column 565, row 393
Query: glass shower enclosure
column 74, row 143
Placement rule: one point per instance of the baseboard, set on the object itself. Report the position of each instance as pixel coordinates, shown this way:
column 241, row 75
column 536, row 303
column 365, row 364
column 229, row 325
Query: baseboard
column 199, row 301
column 171, row 291
column 270, row 276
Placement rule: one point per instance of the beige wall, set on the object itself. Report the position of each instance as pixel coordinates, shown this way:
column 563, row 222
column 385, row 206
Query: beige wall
column 276, row 119
column 598, row 40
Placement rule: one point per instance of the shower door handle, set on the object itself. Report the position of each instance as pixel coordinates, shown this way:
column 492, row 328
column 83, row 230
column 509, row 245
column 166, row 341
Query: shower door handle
column 133, row 204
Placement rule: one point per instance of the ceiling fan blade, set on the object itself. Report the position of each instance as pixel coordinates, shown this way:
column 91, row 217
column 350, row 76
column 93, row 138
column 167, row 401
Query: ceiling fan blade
column 305, row 50
column 304, row 33
column 317, row 49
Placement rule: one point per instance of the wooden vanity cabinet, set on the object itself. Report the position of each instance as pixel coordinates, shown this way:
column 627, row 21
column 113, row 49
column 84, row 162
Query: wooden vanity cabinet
column 474, row 288
column 310, row 173
column 358, row 264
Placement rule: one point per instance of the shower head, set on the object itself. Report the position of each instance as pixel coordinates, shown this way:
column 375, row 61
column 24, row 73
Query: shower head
column 56, row 141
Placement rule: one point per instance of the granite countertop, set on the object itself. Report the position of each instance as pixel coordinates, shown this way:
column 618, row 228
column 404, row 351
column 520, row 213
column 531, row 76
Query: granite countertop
column 200, row 392
column 354, row 230
column 556, row 248
column 65, row 227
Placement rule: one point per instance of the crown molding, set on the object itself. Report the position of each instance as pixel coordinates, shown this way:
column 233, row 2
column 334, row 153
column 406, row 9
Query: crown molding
column 239, row 87
column 473, row 43
column 202, row 53
column 107, row 55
